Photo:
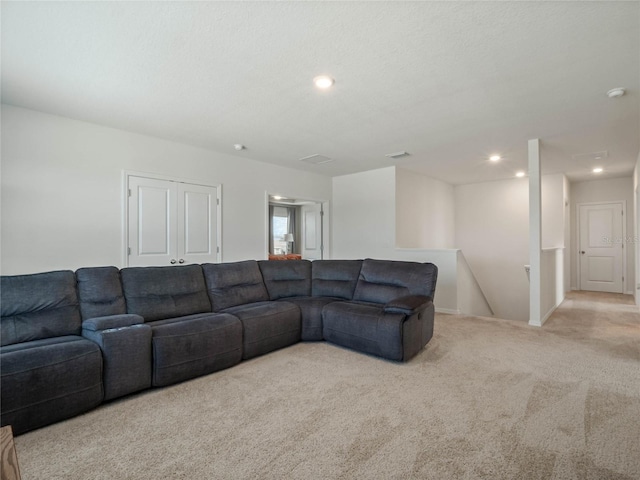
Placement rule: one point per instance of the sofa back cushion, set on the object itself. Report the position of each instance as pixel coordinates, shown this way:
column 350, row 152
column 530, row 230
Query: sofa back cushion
column 383, row 280
column 38, row 306
column 290, row 278
column 157, row 293
column 100, row 292
column 235, row 283
column 334, row 278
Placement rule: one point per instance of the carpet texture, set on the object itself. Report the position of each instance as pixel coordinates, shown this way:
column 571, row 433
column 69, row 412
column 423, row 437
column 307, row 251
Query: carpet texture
column 487, row 398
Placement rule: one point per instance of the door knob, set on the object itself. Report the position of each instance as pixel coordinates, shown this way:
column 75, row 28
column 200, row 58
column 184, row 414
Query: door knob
column 582, row 252
column 173, row 260
column 181, row 260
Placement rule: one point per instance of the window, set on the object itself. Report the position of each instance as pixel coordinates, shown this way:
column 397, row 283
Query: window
column 282, row 223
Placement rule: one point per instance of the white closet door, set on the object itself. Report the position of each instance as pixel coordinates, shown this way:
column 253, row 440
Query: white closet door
column 197, row 223
column 152, row 221
column 171, row 223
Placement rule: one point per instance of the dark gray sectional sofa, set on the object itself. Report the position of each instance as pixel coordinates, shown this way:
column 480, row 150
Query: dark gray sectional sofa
column 72, row 341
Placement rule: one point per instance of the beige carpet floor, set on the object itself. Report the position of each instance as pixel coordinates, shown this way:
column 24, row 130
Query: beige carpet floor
column 487, row 399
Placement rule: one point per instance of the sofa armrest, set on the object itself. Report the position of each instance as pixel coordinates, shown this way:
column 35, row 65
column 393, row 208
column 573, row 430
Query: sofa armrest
column 408, row 305
column 125, row 343
column 112, row 321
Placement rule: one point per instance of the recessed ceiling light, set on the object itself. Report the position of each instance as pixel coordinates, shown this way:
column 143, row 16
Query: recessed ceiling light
column 520, row 174
column 616, row 92
column 238, row 146
column 278, row 197
column 495, row 158
column 597, row 170
column 323, row 81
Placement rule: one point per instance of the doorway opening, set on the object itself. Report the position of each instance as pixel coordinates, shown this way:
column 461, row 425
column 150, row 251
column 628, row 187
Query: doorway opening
column 295, row 228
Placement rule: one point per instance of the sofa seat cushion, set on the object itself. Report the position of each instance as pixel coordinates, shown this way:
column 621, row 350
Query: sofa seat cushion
column 187, row 347
column 45, row 381
column 267, row 326
column 364, row 327
column 311, row 315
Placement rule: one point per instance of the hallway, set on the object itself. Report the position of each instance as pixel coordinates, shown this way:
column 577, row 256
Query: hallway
column 607, row 321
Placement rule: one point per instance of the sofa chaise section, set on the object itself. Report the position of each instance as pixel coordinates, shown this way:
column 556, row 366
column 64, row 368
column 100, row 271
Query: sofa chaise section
column 188, row 340
column 49, row 372
column 238, row 288
column 391, row 314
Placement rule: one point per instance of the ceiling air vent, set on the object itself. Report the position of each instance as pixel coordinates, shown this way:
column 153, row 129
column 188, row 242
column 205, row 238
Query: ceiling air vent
column 591, row 156
column 397, row 154
column 316, row 159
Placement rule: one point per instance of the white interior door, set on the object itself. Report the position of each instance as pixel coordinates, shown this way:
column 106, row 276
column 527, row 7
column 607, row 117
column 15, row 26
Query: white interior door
column 171, row 223
column 197, row 223
column 312, row 248
column 152, row 221
column 601, row 247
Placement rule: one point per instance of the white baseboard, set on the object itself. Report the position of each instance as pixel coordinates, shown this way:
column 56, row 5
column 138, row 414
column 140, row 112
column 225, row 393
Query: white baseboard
column 546, row 317
column 447, row 310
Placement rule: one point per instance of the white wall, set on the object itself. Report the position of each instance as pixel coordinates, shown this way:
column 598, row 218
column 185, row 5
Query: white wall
column 604, row 190
column 547, row 283
column 62, row 198
column 554, row 270
column 553, row 211
column 471, row 298
column 425, row 211
column 636, row 231
column 567, row 235
column 364, row 214
column 371, row 211
column 492, row 230
column 552, row 291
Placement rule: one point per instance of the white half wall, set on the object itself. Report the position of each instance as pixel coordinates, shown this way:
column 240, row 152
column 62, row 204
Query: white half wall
column 62, row 190
column 425, row 211
column 552, row 291
column 605, row 190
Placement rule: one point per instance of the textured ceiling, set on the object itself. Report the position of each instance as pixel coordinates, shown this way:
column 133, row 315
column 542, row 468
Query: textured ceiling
column 449, row 82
